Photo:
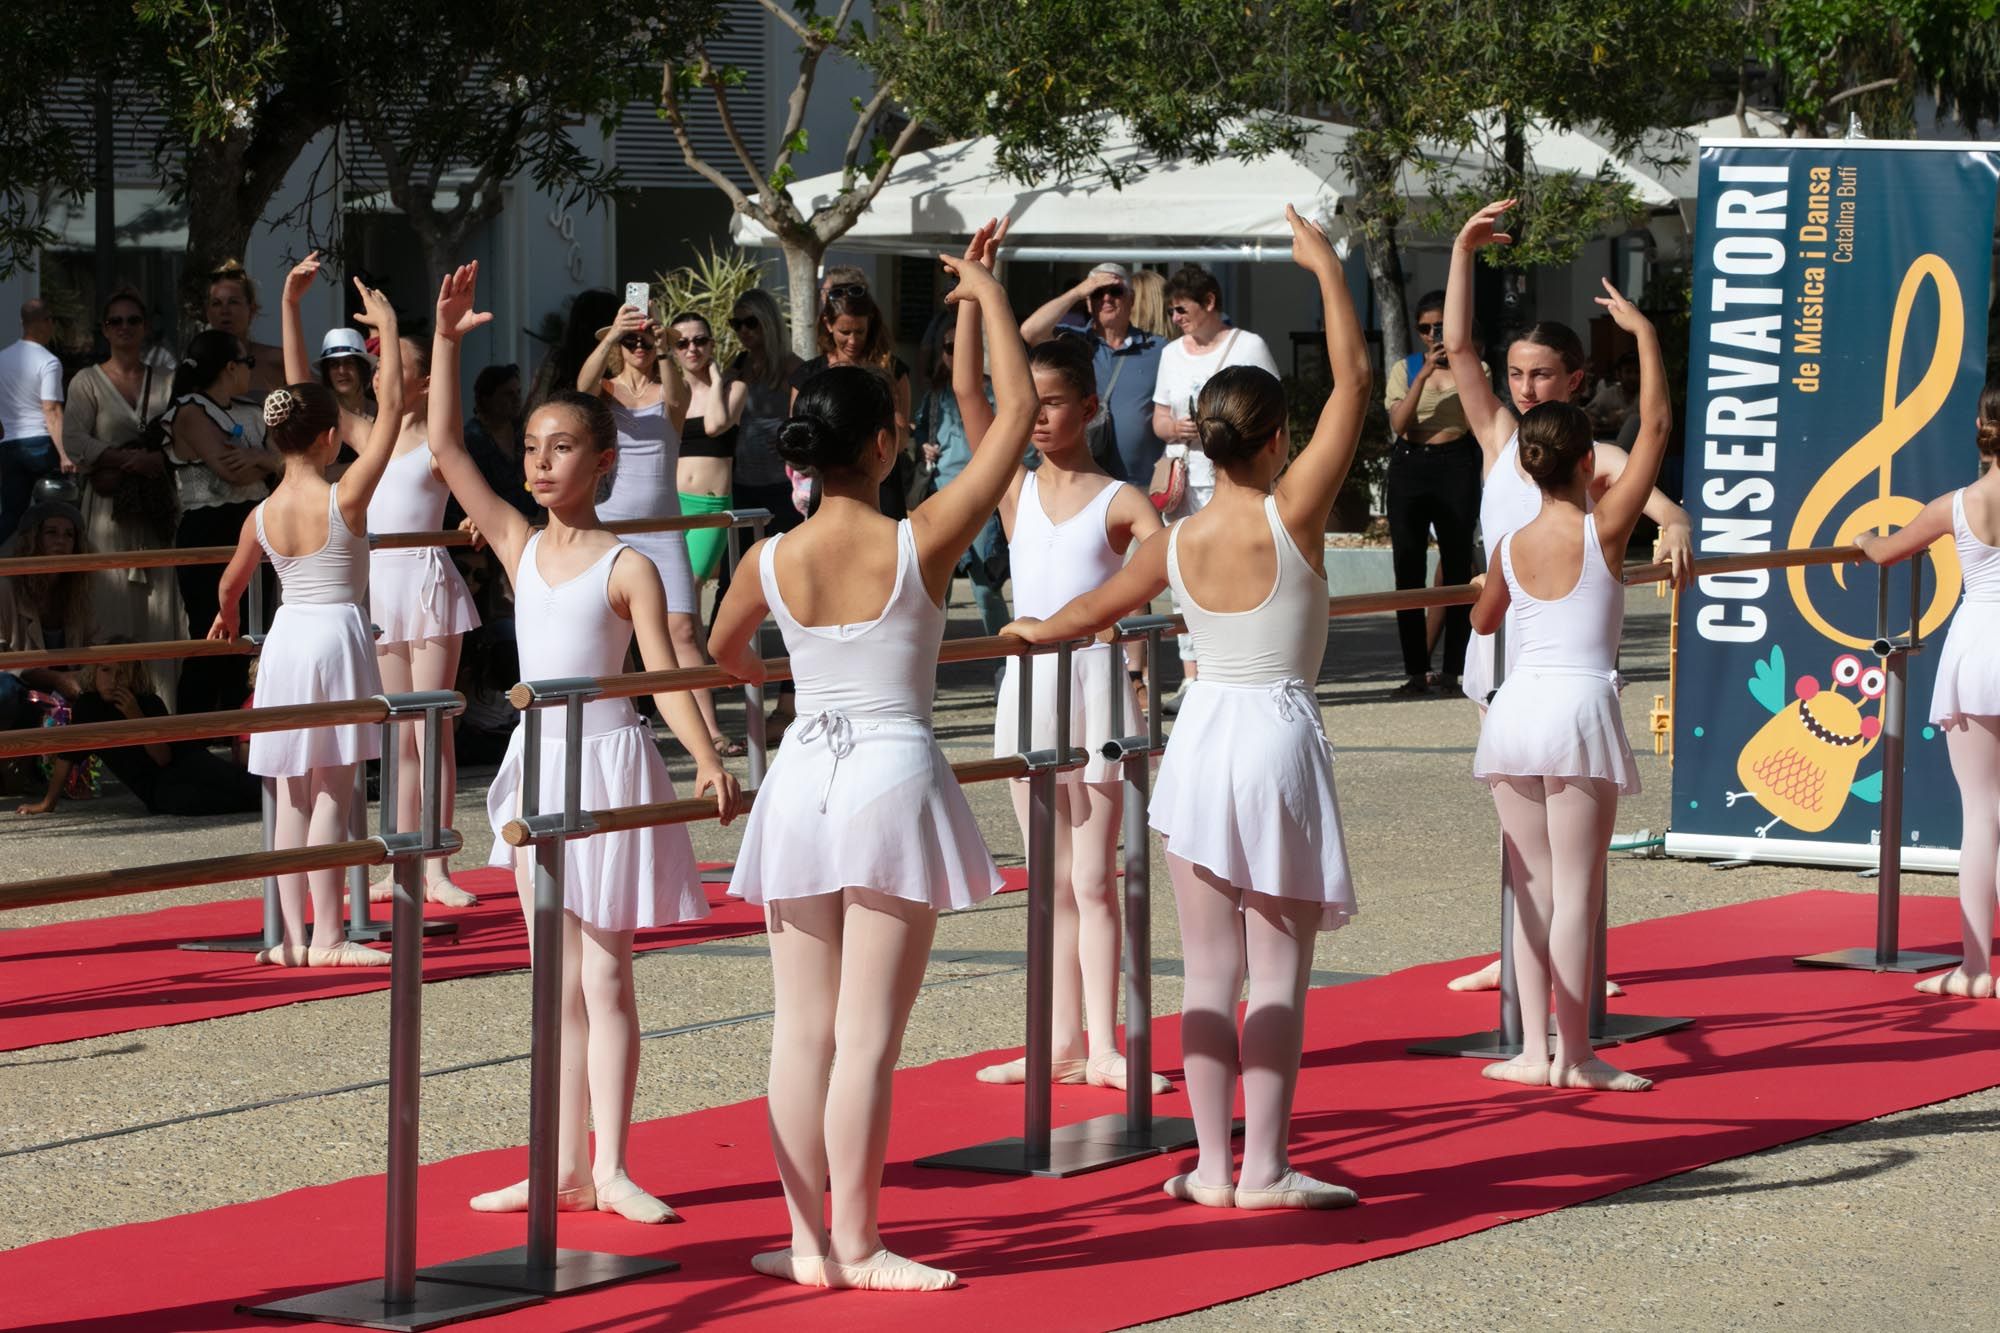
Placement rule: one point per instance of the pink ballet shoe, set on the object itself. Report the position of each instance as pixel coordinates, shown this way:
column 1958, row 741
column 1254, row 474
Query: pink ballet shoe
column 347, row 954
column 1596, row 1076
column 883, row 1271
column 1108, row 1071
column 1295, row 1189
column 514, row 1199
column 1956, row 985
column 1016, row 1071
column 621, row 1196
column 806, row 1270
column 1528, row 1073
column 440, row 891
column 1189, row 1190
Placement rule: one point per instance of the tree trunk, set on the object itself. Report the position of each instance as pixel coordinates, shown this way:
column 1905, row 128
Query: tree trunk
column 220, row 221
column 1385, row 274
column 802, row 294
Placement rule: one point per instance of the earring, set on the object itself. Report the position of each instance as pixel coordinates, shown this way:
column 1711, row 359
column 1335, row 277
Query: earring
column 528, row 486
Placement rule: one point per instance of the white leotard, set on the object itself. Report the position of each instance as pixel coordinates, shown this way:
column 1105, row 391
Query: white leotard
column 415, row 592
column 1281, row 638
column 884, row 667
column 335, row 573
column 1052, row 562
column 1577, row 631
column 1968, row 670
column 569, row 629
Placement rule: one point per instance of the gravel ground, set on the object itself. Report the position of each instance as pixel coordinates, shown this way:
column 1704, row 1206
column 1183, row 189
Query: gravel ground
column 240, row 1108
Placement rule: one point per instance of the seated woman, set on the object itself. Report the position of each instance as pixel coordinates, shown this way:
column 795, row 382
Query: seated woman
column 181, row 778
column 42, row 611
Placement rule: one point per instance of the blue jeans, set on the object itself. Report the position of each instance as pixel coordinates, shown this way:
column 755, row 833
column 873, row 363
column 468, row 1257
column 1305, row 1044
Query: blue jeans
column 23, row 462
column 986, row 595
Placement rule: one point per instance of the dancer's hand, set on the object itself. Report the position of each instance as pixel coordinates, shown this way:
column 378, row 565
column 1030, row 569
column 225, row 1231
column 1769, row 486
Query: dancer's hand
column 471, row 529
column 224, row 627
column 1676, row 548
column 984, row 247
column 1623, row 313
column 1478, row 231
column 710, row 775
column 376, row 313
column 455, row 315
column 1862, row 541
column 976, row 282
column 301, row 277
column 1030, row 629
column 1311, row 250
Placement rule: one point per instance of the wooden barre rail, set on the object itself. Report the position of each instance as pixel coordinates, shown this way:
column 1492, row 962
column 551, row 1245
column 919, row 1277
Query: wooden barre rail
column 104, row 654
column 187, row 874
column 515, row 832
column 168, row 558
column 31, row 741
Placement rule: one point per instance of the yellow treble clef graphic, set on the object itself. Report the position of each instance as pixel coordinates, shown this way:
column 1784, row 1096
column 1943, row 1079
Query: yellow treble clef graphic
column 1873, row 452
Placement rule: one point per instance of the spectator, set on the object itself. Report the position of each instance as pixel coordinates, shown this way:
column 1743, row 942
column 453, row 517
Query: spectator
column 1616, row 402
column 844, row 279
column 232, row 308
column 589, row 311
column 1149, row 303
column 347, row 367
column 178, row 778
column 128, row 499
column 220, row 474
column 940, row 433
column 1207, row 345
column 1126, row 361
column 493, row 438
column 708, row 437
column 853, row 332
column 1433, row 486
column 39, row 611
column 31, row 415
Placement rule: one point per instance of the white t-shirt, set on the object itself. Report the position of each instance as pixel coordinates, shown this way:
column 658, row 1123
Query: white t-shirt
column 30, row 375
column 1182, row 376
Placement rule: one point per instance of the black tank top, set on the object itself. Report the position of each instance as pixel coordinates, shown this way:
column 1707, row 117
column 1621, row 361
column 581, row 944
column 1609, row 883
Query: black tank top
column 696, row 442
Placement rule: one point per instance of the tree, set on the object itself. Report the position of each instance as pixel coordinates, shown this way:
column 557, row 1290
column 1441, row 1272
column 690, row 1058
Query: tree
column 1176, row 71
column 1870, row 59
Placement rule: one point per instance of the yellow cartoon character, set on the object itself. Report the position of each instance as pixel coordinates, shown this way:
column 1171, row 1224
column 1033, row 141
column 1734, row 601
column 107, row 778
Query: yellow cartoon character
column 1800, row 765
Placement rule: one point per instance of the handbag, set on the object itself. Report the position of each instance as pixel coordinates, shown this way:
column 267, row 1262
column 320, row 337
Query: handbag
column 148, row 503
column 1169, row 484
column 1102, row 433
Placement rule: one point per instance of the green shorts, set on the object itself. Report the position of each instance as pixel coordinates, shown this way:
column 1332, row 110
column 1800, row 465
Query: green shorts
column 705, row 545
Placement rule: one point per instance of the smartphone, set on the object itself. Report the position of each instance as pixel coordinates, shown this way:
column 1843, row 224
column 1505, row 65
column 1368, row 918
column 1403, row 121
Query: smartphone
column 638, row 295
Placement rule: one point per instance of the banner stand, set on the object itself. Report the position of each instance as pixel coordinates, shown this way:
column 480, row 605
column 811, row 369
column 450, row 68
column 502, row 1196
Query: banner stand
column 1886, row 955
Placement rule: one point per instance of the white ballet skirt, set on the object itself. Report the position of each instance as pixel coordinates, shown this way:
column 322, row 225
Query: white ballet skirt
column 1245, row 791
column 629, row 880
column 1556, row 723
column 1968, row 671
column 1091, row 723
column 316, row 652
column 416, row 593
column 866, row 802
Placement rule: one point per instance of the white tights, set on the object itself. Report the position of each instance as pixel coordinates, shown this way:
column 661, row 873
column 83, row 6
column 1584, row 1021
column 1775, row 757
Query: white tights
column 1554, row 832
column 312, row 809
column 1974, row 745
column 1086, row 915
column 1222, row 929
column 846, row 967
column 428, row 664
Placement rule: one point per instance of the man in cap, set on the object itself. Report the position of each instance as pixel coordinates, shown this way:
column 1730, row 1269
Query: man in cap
column 1126, row 358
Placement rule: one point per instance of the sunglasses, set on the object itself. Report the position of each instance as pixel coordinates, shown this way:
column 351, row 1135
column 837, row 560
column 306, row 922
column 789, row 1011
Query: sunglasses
column 247, row 362
column 840, row 289
column 1426, row 330
column 1111, row 293
column 699, row 340
column 124, row 321
column 1180, row 310
column 742, row 324
column 632, row 342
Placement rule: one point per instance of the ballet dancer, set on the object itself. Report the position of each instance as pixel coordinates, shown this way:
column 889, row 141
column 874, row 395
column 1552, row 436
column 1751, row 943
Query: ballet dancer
column 318, row 648
column 1069, row 525
column 860, row 835
column 1965, row 699
column 650, row 410
column 416, row 596
column 1545, row 364
column 581, row 597
column 1552, row 745
column 1245, row 798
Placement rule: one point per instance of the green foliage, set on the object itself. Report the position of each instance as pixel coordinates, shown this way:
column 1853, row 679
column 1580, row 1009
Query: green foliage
column 710, row 287
column 1872, row 57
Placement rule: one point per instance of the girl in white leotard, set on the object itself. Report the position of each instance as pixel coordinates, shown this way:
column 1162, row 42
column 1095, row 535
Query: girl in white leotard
column 860, row 834
column 416, row 597
column 1544, row 365
column 1552, row 746
column 649, row 409
column 1069, row 527
column 316, row 536
column 1965, row 700
column 1245, row 799
column 581, row 598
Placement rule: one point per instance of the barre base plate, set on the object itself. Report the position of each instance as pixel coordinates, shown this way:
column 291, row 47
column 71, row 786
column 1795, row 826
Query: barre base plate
column 574, row 1270
column 1864, row 960
column 362, row 1305
column 375, row 934
column 1492, row 1044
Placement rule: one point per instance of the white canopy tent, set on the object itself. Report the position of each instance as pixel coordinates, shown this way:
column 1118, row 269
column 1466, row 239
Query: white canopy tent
column 1221, row 210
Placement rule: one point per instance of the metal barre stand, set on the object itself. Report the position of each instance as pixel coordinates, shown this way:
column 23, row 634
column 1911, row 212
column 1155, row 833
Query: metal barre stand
column 1103, row 1141
column 1504, row 1041
column 539, row 1268
column 403, row 1298
column 1895, row 652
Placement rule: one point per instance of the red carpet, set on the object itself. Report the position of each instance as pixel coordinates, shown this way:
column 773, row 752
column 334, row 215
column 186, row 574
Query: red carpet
column 1780, row 1053
column 113, row 974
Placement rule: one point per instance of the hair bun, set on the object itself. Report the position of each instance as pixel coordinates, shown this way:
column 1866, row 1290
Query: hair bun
column 803, row 441
column 279, row 405
column 1219, row 437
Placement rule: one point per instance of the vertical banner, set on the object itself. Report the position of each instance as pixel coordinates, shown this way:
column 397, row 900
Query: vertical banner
column 1836, row 353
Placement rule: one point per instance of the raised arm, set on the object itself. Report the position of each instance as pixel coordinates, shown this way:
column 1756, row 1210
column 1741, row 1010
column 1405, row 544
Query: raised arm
column 590, row 378
column 358, row 483
column 1929, row 526
column 945, row 524
column 1305, row 492
column 1142, row 579
column 1618, row 512
column 968, row 362
column 1489, row 418
column 500, row 523
column 1041, row 326
column 298, row 367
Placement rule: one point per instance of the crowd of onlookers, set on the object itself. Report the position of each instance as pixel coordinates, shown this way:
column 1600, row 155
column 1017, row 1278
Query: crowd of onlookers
column 144, row 449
